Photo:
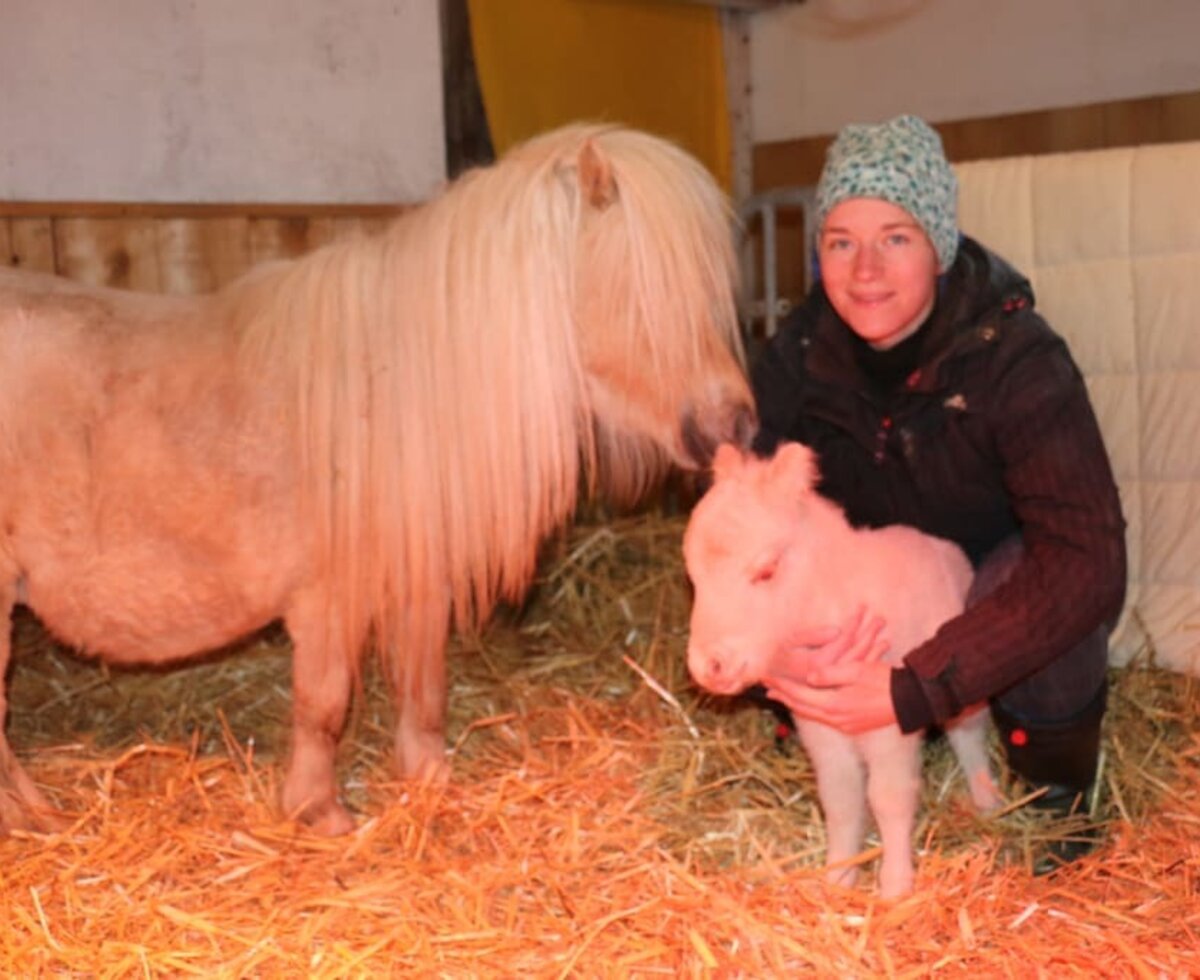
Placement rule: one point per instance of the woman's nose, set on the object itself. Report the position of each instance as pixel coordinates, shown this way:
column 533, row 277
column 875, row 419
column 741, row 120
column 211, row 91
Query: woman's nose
column 867, row 262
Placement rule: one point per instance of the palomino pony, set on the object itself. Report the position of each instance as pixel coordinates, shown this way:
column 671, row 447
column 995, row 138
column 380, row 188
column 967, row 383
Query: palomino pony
column 367, row 443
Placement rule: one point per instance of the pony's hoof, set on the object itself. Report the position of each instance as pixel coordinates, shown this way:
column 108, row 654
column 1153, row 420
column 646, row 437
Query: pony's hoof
column 330, row 820
column 434, row 772
column 41, row 819
column 421, row 757
column 22, row 805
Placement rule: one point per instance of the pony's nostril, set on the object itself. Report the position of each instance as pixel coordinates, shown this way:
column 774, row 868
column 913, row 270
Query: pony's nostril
column 745, row 427
column 698, row 443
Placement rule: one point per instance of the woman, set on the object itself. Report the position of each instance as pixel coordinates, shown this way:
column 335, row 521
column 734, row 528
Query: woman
column 936, row 396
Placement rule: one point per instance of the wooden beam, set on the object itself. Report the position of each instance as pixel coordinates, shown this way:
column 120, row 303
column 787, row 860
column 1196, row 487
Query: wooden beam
column 140, row 209
column 735, row 44
column 748, row 5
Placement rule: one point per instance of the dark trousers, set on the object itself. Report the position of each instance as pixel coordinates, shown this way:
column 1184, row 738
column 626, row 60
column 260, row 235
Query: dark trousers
column 1065, row 687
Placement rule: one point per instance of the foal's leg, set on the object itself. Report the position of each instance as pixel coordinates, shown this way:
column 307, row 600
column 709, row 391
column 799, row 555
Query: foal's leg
column 419, row 676
column 322, row 677
column 967, row 735
column 22, row 806
column 841, row 790
column 894, row 791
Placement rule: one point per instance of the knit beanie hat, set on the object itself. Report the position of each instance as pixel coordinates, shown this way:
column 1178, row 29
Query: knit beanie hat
column 900, row 161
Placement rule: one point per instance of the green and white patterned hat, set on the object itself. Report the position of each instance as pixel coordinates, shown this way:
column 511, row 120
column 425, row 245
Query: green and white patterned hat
column 900, row 161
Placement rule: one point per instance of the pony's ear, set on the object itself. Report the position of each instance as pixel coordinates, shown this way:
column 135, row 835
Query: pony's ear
column 794, row 465
column 596, row 180
column 727, row 461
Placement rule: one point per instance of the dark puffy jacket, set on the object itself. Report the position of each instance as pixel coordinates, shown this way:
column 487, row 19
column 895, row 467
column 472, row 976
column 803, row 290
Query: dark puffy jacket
column 991, row 434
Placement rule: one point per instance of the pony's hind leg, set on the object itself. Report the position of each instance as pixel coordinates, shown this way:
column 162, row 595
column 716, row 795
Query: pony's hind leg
column 323, row 663
column 22, row 805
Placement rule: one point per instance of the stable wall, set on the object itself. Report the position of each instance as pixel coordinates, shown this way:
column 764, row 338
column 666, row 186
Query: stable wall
column 823, row 63
column 220, row 100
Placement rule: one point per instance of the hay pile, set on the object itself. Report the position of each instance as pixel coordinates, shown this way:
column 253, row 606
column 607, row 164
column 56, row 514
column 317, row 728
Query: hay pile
column 602, row 821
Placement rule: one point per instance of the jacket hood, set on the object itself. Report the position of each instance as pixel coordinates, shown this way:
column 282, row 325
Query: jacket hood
column 981, row 283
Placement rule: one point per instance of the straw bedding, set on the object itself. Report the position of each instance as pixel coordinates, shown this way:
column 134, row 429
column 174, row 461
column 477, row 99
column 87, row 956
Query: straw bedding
column 602, row 820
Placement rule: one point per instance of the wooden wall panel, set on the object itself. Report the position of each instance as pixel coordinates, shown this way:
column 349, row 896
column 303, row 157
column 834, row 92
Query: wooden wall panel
column 164, row 248
column 1161, row 119
column 27, row 243
column 121, row 252
column 198, row 255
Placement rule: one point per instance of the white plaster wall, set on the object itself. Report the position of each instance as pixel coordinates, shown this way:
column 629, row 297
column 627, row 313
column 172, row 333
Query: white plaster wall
column 220, row 100
column 824, row 63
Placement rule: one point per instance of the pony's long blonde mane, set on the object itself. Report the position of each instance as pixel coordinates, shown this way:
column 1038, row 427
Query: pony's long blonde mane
column 440, row 405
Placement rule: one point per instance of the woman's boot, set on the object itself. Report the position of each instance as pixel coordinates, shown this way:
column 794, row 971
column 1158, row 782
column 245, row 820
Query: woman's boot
column 1062, row 757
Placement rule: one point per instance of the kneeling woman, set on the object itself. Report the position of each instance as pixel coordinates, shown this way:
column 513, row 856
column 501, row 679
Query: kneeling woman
column 935, row 395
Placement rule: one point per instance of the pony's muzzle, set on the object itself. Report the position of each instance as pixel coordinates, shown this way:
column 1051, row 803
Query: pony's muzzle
column 703, row 430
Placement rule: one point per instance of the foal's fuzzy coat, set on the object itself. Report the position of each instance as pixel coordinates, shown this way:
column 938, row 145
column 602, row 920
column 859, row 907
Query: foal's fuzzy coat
column 771, row 559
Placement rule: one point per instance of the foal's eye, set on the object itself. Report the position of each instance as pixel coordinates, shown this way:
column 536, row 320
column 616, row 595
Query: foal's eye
column 764, row 572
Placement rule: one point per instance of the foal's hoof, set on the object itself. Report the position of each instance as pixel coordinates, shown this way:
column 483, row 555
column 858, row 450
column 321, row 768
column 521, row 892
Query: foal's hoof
column 985, row 794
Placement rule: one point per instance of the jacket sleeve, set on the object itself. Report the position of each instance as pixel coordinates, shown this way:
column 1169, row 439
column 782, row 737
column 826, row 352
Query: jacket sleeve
column 1072, row 576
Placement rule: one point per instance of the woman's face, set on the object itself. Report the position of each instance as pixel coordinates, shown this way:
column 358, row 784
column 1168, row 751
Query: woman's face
column 879, row 269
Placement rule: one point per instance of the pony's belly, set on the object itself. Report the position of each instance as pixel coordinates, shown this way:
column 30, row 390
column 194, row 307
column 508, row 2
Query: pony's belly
column 155, row 598
column 130, row 626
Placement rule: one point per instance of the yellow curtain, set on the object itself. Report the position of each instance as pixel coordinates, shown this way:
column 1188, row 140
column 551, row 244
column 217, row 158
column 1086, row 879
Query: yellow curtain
column 657, row 66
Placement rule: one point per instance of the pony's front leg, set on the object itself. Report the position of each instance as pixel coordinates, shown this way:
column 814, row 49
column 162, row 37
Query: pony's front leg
column 323, row 665
column 22, row 805
column 419, row 675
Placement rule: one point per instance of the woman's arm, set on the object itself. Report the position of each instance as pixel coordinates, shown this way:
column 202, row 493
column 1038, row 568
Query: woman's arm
column 1071, row 577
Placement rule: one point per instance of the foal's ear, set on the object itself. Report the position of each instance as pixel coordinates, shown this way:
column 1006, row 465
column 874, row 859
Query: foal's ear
column 596, row 181
column 727, row 460
column 794, row 465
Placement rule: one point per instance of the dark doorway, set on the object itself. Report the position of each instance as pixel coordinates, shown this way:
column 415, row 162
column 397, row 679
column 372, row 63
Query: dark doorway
column 468, row 140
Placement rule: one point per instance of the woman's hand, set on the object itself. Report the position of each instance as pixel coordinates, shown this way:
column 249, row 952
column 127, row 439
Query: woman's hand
column 860, row 700
column 822, row 656
column 839, row 676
